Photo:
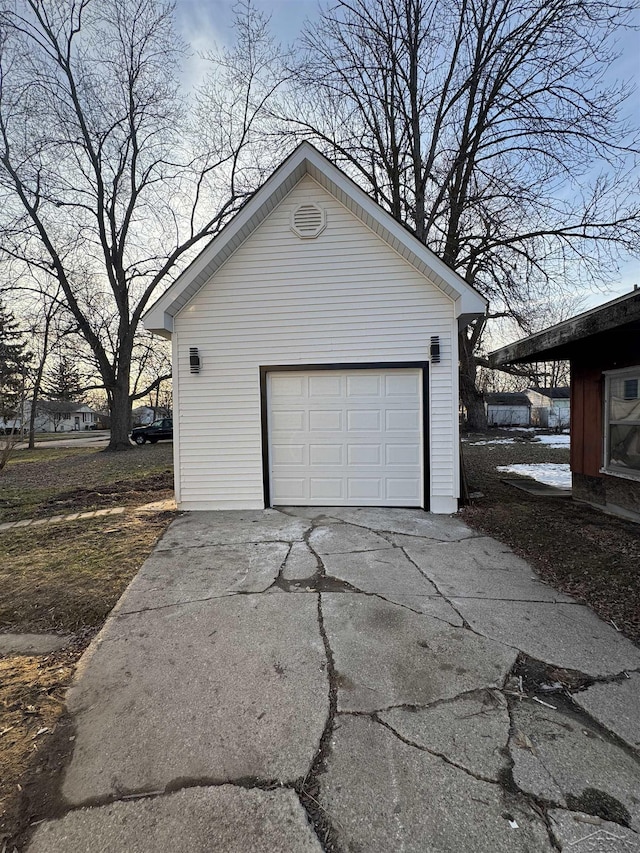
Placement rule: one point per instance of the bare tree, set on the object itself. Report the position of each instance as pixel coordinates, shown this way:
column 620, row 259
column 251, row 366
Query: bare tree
column 105, row 181
column 486, row 127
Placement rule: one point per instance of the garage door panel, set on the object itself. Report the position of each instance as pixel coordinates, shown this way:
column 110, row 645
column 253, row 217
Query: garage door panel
column 289, row 454
column 363, row 420
column 325, row 419
column 402, row 420
column 368, row 489
column 363, row 386
column 288, row 421
column 364, row 454
column 348, row 437
column 326, row 454
column 325, row 386
column 404, row 490
column 288, row 489
column 398, row 386
column 402, row 454
column 289, row 385
column 326, row 488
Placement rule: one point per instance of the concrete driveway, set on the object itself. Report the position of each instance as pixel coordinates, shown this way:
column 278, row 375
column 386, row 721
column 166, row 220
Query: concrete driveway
column 349, row 680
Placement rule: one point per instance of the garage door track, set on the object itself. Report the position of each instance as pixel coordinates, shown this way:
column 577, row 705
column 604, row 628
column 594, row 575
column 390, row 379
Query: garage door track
column 350, row 680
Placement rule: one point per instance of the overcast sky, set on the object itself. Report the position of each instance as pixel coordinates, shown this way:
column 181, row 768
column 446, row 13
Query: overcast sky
column 205, row 23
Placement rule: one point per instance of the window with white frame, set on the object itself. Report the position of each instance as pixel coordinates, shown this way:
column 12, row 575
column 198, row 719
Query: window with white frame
column 622, row 436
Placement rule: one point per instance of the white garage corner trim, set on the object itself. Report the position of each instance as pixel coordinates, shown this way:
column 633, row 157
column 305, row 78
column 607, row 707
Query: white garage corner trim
column 346, row 434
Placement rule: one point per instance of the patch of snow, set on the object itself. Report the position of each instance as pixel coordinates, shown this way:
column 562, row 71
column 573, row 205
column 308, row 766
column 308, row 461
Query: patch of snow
column 549, row 473
column 492, row 441
column 554, row 440
column 518, row 429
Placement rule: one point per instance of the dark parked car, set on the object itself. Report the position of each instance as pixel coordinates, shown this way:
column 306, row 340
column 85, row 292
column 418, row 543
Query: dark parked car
column 156, row 431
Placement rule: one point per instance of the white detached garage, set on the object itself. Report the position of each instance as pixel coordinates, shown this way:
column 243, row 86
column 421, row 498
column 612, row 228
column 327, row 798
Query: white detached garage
column 315, row 356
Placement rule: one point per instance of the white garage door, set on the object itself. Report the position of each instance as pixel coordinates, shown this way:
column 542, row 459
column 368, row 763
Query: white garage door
column 346, row 437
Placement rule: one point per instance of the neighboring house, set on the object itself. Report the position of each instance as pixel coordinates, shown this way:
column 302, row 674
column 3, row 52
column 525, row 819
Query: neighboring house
column 315, row 354
column 603, row 348
column 10, row 425
column 551, row 407
column 144, row 415
column 508, row 409
column 61, row 416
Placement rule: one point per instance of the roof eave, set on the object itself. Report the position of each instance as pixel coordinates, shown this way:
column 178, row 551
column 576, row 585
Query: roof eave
column 548, row 345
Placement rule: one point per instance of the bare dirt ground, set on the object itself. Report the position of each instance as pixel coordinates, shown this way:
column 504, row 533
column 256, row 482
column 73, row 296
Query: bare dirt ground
column 577, row 549
column 53, row 481
column 62, row 578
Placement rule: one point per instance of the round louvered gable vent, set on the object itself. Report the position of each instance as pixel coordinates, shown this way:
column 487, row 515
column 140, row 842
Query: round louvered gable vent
column 308, row 220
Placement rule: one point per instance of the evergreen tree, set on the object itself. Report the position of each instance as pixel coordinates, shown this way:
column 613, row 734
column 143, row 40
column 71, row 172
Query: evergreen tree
column 14, row 361
column 63, row 381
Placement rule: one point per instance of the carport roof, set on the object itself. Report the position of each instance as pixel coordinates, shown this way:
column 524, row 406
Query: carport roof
column 562, row 340
column 307, row 160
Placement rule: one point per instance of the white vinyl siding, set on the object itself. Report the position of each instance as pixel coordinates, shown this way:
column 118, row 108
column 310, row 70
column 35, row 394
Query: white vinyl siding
column 343, row 297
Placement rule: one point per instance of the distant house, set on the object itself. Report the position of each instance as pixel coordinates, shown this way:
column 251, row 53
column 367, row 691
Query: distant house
column 550, row 407
column 10, row 425
column 508, row 409
column 603, row 349
column 61, row 416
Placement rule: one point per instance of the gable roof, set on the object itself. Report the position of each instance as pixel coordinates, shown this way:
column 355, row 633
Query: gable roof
column 62, row 407
column 307, row 160
column 507, row 398
column 560, row 341
column 553, row 393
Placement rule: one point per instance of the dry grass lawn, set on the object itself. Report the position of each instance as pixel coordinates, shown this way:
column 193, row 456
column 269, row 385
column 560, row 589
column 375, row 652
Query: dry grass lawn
column 62, row 578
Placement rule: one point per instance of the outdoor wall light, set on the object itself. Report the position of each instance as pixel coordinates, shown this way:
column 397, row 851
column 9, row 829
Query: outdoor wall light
column 435, row 349
column 194, row 360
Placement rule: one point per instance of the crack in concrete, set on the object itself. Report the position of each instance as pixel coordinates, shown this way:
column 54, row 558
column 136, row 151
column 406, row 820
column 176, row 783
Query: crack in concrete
column 465, row 624
column 156, row 551
column 308, row 789
column 411, row 706
column 477, row 776
column 180, row 783
column 279, row 577
column 122, row 613
column 514, row 600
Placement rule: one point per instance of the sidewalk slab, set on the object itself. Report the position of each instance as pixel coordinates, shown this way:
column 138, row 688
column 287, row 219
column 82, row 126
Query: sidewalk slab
column 195, row 820
column 31, row 644
column 195, row 574
column 411, row 522
column 392, row 576
column 568, row 762
column 566, row 635
column 471, row 731
column 383, row 795
column 584, row 833
column 213, row 691
column 481, row 568
column 616, row 706
column 386, row 655
column 232, row 527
